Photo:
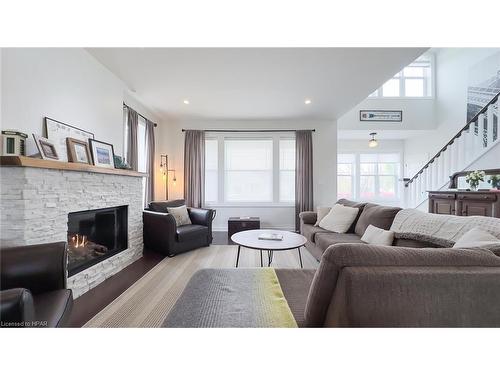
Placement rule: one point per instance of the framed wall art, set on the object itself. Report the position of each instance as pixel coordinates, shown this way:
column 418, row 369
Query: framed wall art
column 78, row 151
column 102, row 154
column 46, row 148
column 381, row 116
column 57, row 132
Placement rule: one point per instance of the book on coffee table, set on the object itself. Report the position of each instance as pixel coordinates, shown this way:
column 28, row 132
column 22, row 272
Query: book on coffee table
column 271, row 236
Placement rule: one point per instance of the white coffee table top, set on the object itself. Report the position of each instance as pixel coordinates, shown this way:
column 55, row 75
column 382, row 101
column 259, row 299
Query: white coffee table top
column 250, row 239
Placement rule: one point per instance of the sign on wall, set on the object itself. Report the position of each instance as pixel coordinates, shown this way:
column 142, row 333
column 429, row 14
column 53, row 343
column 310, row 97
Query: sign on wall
column 381, row 116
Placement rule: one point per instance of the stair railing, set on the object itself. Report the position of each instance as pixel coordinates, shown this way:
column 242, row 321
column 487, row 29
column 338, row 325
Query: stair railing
column 473, row 140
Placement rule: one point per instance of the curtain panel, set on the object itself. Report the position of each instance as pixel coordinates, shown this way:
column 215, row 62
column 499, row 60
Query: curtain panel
column 304, row 200
column 132, row 124
column 194, row 168
column 150, row 162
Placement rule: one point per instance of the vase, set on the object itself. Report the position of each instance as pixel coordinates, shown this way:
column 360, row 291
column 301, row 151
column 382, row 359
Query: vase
column 473, row 187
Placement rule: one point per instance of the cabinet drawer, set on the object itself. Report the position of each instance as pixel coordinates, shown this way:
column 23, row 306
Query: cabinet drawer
column 477, row 197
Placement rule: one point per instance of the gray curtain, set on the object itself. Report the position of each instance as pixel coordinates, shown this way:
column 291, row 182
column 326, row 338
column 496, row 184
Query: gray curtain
column 194, row 168
column 132, row 123
column 303, row 174
column 150, row 162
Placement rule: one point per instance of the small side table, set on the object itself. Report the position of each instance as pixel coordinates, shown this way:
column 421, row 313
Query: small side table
column 239, row 224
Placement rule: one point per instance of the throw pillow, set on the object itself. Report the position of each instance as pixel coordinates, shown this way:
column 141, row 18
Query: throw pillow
column 339, row 219
column 477, row 238
column 380, row 216
column 378, row 236
column 348, row 203
column 322, row 212
column 180, row 215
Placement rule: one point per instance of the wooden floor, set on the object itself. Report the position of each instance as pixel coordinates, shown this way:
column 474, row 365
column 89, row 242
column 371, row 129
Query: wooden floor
column 92, row 302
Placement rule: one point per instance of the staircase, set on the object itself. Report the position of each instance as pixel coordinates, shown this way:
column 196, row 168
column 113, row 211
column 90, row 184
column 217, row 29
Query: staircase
column 474, row 140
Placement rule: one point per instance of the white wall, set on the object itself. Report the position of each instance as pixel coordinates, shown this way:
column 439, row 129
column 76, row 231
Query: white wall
column 66, row 84
column 325, row 165
column 452, row 67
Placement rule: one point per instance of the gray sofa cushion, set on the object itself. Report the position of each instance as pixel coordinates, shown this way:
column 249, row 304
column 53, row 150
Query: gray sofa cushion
column 323, row 240
column 348, row 203
column 309, row 231
column 379, row 216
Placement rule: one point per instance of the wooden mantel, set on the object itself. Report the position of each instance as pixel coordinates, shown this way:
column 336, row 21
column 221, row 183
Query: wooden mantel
column 24, row 161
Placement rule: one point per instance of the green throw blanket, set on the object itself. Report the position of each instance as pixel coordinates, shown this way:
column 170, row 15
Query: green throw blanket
column 232, row 298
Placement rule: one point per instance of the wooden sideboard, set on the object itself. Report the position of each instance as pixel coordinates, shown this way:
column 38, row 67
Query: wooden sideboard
column 465, row 203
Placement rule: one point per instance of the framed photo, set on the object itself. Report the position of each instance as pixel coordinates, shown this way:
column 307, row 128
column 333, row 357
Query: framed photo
column 381, row 116
column 78, row 151
column 102, row 154
column 46, row 148
column 57, row 132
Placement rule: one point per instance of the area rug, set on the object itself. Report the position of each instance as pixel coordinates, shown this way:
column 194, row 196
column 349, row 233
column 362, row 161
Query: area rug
column 150, row 299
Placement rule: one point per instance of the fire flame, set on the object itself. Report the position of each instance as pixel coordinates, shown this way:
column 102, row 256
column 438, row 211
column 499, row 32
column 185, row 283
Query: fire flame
column 79, row 241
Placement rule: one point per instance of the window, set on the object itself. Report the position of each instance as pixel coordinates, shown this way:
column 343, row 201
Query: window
column 414, row 81
column 211, row 170
column 345, row 175
column 287, row 170
column 369, row 177
column 248, row 168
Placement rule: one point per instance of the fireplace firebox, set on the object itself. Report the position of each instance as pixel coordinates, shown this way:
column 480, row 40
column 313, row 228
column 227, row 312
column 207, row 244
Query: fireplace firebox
column 95, row 235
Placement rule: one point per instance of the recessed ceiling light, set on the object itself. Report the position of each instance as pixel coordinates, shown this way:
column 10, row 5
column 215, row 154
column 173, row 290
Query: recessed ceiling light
column 308, row 101
column 185, row 101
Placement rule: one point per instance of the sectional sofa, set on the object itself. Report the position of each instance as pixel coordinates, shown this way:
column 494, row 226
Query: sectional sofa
column 425, row 283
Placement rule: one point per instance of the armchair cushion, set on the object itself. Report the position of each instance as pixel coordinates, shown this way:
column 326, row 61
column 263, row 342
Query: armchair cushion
column 180, row 215
column 189, row 232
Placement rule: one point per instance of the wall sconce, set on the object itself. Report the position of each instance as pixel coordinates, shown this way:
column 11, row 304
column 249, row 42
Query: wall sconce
column 164, row 170
column 373, row 142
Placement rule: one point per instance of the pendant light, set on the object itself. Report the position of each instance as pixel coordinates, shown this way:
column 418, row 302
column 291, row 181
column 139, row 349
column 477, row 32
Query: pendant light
column 373, row 142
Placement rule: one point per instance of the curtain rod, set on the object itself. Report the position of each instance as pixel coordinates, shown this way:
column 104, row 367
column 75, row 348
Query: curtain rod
column 249, row 131
column 126, row 106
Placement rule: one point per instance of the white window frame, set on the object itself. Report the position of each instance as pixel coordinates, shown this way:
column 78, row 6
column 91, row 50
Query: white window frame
column 221, row 137
column 357, row 175
column 428, row 83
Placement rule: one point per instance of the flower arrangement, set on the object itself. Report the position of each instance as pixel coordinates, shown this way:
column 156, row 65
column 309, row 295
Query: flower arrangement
column 495, row 181
column 474, row 178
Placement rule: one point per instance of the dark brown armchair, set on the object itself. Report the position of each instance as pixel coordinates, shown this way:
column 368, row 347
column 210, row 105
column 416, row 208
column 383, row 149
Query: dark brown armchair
column 162, row 234
column 33, row 286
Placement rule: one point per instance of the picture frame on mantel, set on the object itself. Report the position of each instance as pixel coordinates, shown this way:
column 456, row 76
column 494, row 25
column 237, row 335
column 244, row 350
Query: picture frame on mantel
column 57, row 132
column 46, row 148
column 78, row 151
column 103, row 154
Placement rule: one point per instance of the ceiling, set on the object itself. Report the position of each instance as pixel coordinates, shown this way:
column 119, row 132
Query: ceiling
column 253, row 83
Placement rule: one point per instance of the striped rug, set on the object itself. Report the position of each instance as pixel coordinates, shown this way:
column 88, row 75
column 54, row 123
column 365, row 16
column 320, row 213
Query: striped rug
column 149, row 300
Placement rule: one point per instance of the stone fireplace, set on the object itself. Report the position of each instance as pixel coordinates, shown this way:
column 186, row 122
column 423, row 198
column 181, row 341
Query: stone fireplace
column 41, row 203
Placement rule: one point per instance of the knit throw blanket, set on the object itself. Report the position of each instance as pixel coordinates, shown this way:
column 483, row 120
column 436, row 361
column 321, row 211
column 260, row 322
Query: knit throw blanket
column 232, row 298
column 443, row 230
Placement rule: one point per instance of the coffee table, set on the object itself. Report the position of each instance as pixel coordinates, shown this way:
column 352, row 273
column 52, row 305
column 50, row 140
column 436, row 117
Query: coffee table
column 250, row 240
